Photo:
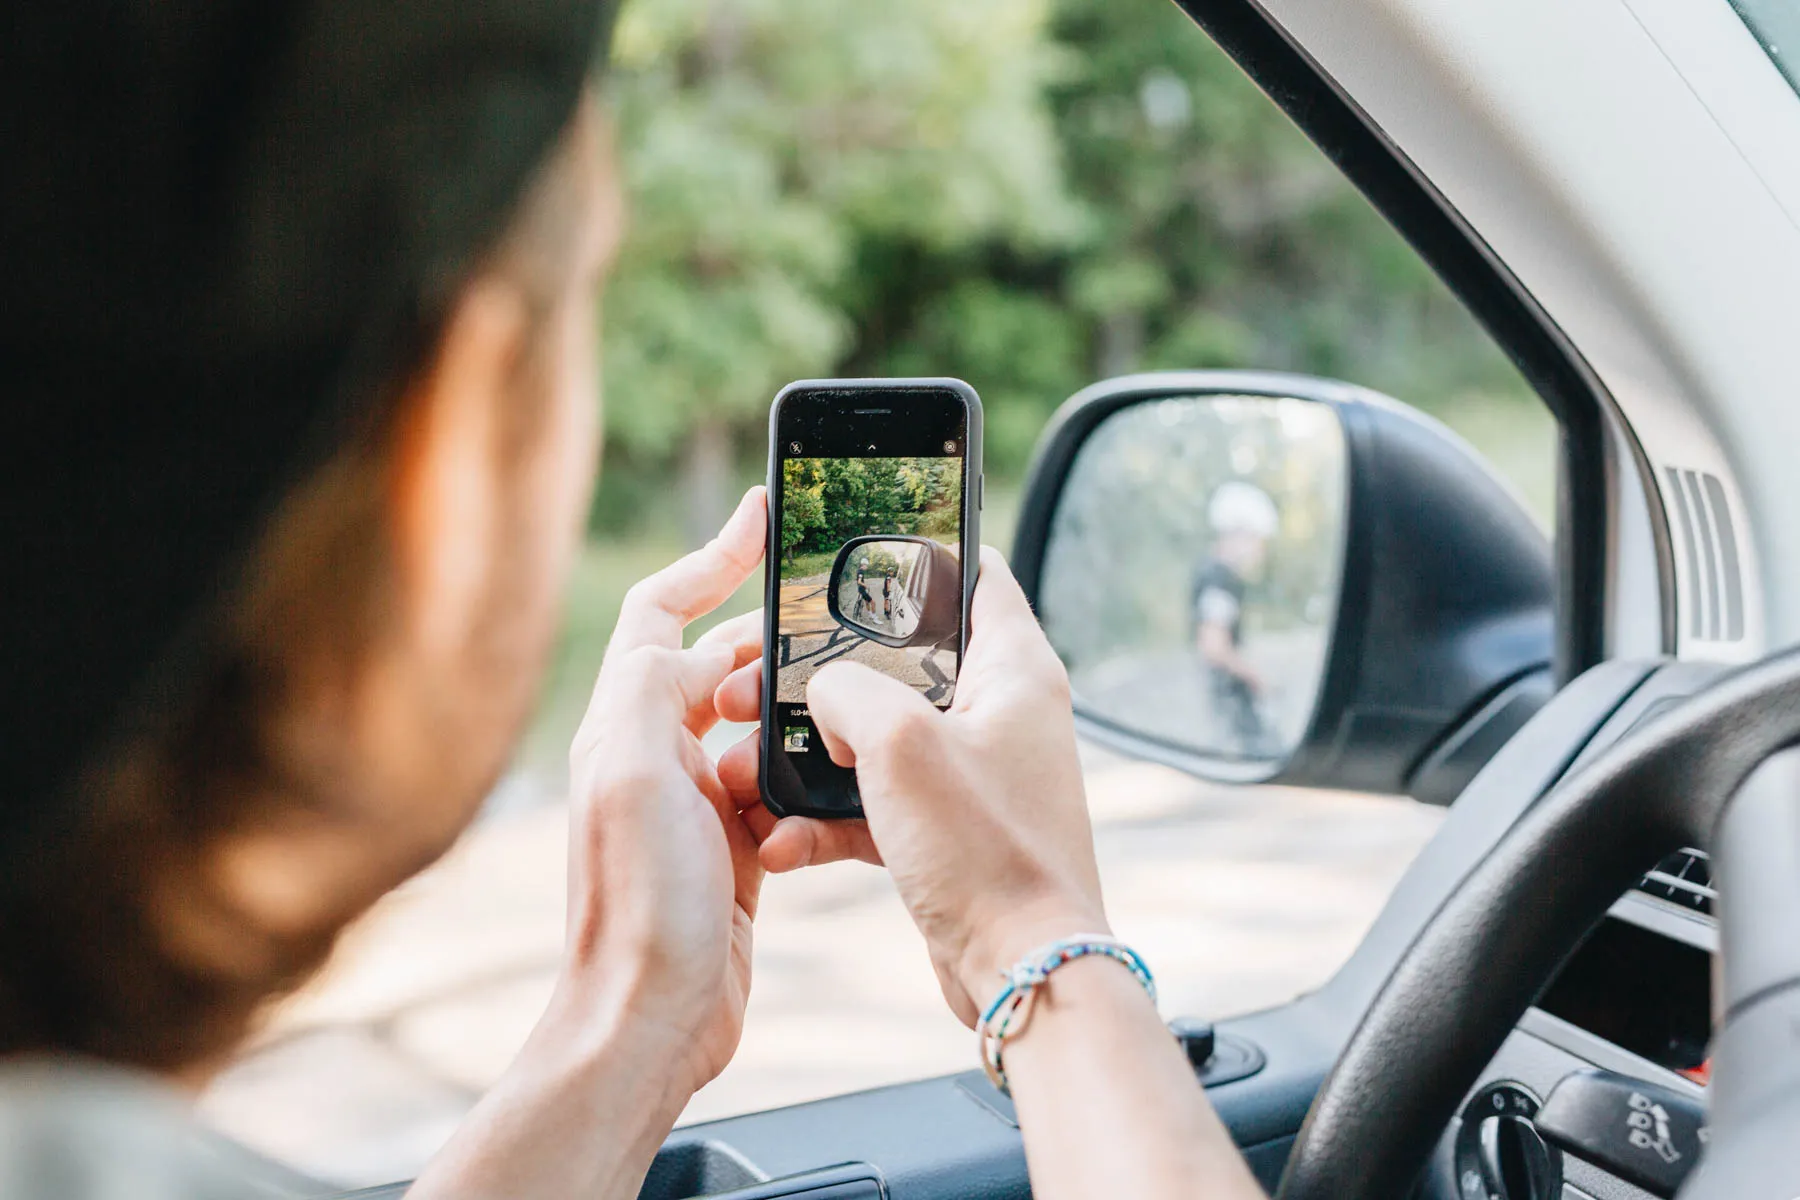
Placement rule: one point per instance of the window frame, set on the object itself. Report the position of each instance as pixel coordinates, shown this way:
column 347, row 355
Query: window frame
column 1546, row 358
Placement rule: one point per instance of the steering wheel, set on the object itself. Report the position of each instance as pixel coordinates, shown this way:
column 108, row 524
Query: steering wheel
column 1496, row 942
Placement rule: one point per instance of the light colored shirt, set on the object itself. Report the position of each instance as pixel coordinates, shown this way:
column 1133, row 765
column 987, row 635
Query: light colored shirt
column 72, row 1129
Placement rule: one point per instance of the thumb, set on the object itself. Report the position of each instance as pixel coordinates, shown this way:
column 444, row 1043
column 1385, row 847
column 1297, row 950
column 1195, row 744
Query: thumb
column 999, row 613
column 859, row 711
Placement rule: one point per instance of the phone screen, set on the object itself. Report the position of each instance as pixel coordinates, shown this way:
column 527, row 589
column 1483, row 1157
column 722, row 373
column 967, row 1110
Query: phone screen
column 868, row 517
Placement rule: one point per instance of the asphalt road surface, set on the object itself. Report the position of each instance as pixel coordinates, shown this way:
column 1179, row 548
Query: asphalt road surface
column 808, row 639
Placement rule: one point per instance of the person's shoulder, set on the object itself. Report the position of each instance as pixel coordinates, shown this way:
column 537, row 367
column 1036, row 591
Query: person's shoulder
column 1214, row 574
column 78, row 1130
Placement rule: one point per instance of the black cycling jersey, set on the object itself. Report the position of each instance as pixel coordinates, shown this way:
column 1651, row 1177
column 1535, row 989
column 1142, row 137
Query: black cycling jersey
column 1227, row 599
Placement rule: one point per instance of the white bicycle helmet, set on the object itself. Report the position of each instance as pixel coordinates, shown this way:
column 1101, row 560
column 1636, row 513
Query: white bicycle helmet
column 1240, row 507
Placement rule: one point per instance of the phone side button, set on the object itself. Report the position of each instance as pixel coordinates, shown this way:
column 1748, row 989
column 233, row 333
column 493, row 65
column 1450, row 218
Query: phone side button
column 981, row 492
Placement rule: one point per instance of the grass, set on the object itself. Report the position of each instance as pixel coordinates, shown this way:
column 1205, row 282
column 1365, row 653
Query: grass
column 802, row 565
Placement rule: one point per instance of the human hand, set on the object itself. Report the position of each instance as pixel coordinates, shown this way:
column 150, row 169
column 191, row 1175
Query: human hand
column 663, row 872
column 979, row 812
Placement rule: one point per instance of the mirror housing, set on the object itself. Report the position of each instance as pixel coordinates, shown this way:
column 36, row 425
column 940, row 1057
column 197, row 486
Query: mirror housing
column 928, row 578
column 1442, row 641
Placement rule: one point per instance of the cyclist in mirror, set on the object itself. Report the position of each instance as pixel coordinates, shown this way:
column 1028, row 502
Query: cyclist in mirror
column 300, row 304
column 865, row 603
column 1243, row 521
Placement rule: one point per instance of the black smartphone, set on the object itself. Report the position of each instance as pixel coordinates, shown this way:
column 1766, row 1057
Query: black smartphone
column 874, row 530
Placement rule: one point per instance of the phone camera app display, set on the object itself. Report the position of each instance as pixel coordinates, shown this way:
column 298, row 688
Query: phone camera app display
column 871, row 501
column 870, row 571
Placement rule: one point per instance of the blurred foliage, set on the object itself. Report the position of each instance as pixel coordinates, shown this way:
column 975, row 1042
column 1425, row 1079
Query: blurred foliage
column 1029, row 194
column 786, row 159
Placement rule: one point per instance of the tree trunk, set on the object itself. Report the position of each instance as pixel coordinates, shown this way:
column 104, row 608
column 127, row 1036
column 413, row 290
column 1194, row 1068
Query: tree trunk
column 1121, row 343
column 706, row 479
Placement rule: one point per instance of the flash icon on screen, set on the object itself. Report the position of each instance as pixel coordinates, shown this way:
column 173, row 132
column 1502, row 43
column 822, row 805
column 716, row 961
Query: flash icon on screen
column 793, row 447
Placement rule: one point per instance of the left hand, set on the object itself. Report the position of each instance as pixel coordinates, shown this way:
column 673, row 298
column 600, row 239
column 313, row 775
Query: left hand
column 663, row 871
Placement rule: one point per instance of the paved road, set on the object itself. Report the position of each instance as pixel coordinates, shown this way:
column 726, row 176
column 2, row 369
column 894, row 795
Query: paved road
column 1239, row 898
column 810, row 639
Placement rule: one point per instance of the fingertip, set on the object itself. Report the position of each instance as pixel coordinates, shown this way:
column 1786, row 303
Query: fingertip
column 832, row 678
column 715, row 658
column 743, row 631
column 739, row 769
column 739, row 697
column 759, row 821
column 749, row 511
column 789, row 846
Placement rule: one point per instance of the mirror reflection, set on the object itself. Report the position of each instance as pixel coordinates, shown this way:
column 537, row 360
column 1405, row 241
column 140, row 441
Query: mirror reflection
column 878, row 588
column 1190, row 579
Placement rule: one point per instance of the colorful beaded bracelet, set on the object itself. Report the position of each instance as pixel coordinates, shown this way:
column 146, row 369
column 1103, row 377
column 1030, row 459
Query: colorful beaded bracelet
column 1008, row 1012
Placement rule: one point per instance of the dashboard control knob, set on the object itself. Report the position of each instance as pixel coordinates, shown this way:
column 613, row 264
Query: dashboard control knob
column 1197, row 1039
column 1514, row 1162
column 1499, row 1153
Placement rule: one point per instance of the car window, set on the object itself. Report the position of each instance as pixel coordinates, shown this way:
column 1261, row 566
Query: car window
column 1027, row 195
column 1776, row 24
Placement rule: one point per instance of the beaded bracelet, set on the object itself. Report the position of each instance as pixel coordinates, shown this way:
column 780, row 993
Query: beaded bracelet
column 1008, row 1012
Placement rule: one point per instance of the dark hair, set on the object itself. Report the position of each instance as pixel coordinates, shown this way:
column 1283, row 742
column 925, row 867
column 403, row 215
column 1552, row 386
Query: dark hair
column 85, row 960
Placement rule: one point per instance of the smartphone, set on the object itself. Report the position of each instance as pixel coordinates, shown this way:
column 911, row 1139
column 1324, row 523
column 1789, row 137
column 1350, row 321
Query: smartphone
column 874, row 528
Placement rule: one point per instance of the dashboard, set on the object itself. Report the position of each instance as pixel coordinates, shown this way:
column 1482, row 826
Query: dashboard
column 1600, row 1092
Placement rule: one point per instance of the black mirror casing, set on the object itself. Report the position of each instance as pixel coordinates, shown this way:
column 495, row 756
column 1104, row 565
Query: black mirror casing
column 1444, row 636
column 936, row 587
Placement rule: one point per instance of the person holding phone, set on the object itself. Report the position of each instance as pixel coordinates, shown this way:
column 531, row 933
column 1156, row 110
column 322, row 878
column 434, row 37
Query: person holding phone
column 302, row 445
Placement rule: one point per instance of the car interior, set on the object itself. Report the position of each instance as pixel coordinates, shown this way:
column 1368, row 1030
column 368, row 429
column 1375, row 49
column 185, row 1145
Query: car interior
column 1587, row 986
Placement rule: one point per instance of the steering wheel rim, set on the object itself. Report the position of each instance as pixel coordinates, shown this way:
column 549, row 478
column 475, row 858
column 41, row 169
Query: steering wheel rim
column 1497, row 940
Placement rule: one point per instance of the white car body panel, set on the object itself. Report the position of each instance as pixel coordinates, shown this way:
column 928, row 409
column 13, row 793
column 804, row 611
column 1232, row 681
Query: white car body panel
column 1636, row 165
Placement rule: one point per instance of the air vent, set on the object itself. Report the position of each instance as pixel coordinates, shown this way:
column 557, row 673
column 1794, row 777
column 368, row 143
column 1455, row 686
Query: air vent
column 1715, row 600
column 1684, row 879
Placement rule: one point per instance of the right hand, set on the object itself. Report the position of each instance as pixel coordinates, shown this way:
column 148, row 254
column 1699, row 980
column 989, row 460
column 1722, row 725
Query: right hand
column 979, row 812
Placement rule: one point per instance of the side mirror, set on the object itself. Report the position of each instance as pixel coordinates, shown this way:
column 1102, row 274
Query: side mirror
column 896, row 590
column 1262, row 577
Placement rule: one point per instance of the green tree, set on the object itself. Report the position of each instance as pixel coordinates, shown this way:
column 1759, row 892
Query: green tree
column 1222, row 237
column 1030, row 194
column 765, row 144
column 831, row 500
